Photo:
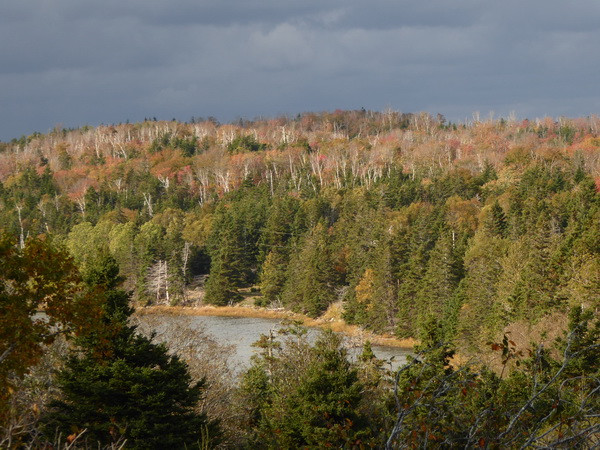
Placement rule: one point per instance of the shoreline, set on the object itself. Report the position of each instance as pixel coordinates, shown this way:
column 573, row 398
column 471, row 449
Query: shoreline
column 335, row 324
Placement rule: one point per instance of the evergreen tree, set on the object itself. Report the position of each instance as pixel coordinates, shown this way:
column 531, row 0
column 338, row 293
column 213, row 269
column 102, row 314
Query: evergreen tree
column 273, row 276
column 426, row 391
column 118, row 385
column 440, row 280
column 310, row 283
column 410, row 278
column 227, row 264
column 424, row 224
column 478, row 316
column 275, row 247
column 374, row 302
column 539, row 279
column 310, row 397
column 495, row 222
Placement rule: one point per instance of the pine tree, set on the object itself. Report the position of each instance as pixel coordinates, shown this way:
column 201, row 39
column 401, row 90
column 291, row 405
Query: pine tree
column 275, row 245
column 495, row 222
column 478, row 291
column 119, row 385
column 273, row 276
column 539, row 278
column 411, row 276
column 310, row 397
column 310, row 283
column 440, row 280
column 375, row 296
column 227, row 267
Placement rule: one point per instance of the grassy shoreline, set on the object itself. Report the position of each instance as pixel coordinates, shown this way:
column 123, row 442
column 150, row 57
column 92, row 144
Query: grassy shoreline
column 328, row 321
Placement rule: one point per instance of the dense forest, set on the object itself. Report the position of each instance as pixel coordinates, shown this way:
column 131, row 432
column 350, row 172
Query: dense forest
column 461, row 236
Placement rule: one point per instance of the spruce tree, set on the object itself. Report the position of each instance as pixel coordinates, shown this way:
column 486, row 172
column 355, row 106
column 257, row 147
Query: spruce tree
column 478, row 291
column 228, row 266
column 118, row 385
column 310, row 283
column 539, row 277
column 275, row 246
column 273, row 275
column 310, row 397
column 440, row 279
column 495, row 222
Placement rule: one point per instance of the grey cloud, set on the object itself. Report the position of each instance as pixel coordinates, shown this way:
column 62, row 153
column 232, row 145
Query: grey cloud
column 75, row 62
column 194, row 12
column 380, row 14
column 544, row 16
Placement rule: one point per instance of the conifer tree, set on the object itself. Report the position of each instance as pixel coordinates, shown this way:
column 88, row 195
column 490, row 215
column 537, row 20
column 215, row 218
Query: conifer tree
column 441, row 278
column 227, row 267
column 274, row 244
column 310, row 283
column 273, row 276
column 310, row 397
column 410, row 278
column 495, row 222
column 478, row 317
column 375, row 304
column 118, row 385
column 539, row 279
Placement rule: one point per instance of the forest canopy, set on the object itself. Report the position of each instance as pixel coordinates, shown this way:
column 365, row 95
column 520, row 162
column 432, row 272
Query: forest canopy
column 455, row 235
column 396, row 215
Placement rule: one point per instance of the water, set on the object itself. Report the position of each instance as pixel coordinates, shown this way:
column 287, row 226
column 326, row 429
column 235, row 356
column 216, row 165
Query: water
column 242, row 332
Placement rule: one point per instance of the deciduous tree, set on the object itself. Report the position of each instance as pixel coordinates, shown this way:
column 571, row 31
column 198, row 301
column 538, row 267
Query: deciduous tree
column 41, row 297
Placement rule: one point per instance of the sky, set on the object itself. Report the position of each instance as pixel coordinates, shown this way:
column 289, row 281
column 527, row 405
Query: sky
column 70, row 63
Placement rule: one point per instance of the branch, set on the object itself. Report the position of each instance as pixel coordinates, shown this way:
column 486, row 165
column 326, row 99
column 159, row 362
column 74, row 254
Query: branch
column 7, row 352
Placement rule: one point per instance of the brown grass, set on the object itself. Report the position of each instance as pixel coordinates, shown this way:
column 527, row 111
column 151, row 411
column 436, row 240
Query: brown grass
column 524, row 335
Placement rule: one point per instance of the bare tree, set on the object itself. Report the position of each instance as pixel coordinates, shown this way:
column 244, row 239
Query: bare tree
column 157, row 281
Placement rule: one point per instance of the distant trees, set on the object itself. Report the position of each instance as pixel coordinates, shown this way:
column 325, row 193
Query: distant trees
column 234, row 246
column 310, row 283
column 394, row 215
column 412, row 225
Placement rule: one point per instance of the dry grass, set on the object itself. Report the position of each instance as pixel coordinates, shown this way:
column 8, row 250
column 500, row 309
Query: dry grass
column 524, row 335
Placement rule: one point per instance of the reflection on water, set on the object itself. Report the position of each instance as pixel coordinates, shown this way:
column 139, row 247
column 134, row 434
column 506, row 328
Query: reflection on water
column 242, row 332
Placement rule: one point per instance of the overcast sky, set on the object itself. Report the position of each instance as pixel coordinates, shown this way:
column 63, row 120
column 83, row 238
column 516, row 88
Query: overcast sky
column 78, row 62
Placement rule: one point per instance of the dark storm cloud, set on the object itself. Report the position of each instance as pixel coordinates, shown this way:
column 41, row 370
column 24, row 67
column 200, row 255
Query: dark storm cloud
column 74, row 62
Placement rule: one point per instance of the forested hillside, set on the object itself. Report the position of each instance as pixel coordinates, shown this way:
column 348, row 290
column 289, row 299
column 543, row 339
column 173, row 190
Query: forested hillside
column 399, row 216
column 466, row 237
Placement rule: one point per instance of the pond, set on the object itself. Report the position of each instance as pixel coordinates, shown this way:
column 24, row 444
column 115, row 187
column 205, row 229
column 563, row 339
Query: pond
column 242, row 332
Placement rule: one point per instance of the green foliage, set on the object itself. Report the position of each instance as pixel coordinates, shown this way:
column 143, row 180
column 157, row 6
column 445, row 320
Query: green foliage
column 405, row 219
column 537, row 401
column 188, row 145
column 495, row 222
column 440, row 279
column 307, row 396
column 310, row 283
column 246, row 143
column 479, row 314
column 234, row 245
column 119, row 385
column 389, row 192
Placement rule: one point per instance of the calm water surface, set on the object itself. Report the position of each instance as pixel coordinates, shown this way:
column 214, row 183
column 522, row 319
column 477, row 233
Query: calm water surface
column 242, row 332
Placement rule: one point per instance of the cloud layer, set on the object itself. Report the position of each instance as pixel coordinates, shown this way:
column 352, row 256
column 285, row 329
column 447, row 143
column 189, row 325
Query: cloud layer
column 72, row 63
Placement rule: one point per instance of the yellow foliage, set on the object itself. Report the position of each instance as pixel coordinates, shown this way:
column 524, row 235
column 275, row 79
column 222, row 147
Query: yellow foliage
column 365, row 288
